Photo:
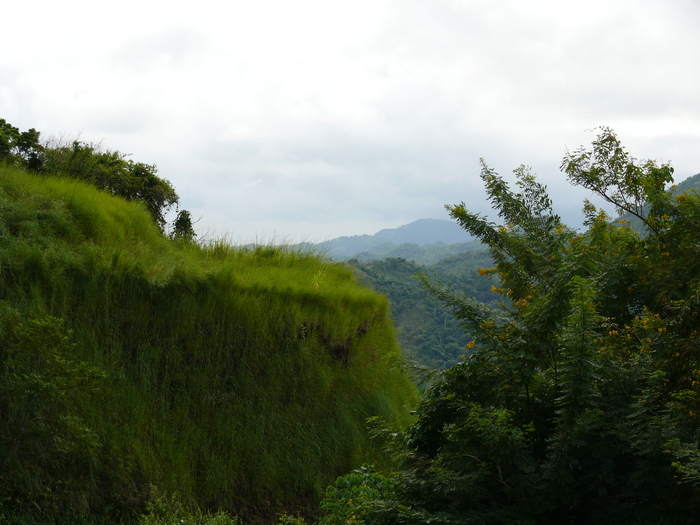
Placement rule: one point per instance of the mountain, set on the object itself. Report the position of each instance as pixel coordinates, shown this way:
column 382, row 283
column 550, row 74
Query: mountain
column 423, row 232
column 691, row 183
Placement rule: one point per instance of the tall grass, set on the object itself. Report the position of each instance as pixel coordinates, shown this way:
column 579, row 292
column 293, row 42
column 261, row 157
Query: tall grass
column 240, row 379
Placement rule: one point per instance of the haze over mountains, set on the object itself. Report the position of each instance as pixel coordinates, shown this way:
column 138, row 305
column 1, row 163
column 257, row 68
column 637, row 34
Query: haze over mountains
column 427, row 240
column 410, row 240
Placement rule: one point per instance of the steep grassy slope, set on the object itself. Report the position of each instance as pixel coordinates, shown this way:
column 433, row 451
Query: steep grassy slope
column 239, row 379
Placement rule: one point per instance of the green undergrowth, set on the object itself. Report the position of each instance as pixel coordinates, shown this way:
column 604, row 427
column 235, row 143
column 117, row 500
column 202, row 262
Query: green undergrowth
column 239, row 379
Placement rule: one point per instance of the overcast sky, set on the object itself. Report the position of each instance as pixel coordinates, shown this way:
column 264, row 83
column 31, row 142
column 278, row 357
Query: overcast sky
column 307, row 120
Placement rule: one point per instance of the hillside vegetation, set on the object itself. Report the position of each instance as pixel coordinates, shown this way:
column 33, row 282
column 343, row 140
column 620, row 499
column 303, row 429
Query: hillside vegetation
column 580, row 400
column 132, row 365
column 428, row 331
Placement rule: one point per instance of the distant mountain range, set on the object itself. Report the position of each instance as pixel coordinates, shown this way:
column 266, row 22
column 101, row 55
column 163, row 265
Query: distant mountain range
column 426, row 241
column 411, row 240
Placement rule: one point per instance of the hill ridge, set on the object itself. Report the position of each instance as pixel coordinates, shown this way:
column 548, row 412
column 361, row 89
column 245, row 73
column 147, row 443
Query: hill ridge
column 421, row 232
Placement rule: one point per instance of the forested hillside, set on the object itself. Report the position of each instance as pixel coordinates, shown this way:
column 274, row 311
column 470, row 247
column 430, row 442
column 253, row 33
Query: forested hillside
column 428, row 331
column 426, row 255
column 137, row 368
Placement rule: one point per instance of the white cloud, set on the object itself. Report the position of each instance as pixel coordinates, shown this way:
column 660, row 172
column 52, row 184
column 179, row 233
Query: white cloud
column 316, row 118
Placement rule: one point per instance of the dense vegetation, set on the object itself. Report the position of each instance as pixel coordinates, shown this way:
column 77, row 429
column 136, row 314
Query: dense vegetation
column 137, row 368
column 111, row 171
column 580, row 401
column 428, row 331
column 147, row 377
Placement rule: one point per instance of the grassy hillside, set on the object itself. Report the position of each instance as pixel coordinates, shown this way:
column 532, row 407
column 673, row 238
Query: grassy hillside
column 240, row 379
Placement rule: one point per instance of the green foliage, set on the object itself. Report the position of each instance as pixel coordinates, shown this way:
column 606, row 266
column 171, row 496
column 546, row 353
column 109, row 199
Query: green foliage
column 577, row 346
column 353, row 495
column 240, row 380
column 183, row 229
column 107, row 170
column 613, row 174
column 167, row 509
column 113, row 172
column 580, row 400
column 41, row 392
column 288, row 519
column 21, row 148
column 428, row 331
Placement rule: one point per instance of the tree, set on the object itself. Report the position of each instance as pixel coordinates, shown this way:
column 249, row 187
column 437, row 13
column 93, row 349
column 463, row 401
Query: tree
column 20, row 147
column 110, row 171
column 183, row 229
column 113, row 172
column 579, row 402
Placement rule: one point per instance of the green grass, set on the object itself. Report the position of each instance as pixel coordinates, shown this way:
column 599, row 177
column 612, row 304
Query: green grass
column 239, row 379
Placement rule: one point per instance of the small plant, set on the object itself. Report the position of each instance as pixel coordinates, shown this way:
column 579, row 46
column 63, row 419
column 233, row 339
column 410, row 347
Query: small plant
column 167, row 509
column 288, row 519
column 318, row 278
column 351, row 495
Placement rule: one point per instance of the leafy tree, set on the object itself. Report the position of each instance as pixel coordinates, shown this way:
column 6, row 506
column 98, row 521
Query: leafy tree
column 113, row 172
column 20, row 147
column 580, row 401
column 183, row 229
column 109, row 170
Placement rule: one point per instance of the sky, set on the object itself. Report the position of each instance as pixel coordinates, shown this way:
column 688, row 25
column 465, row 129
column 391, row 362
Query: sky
column 283, row 121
